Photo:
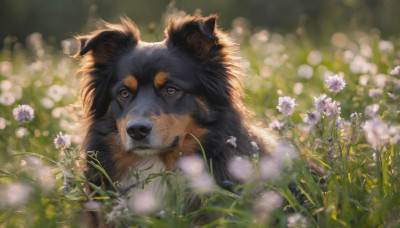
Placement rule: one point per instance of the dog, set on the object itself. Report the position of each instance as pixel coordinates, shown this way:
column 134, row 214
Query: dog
column 147, row 104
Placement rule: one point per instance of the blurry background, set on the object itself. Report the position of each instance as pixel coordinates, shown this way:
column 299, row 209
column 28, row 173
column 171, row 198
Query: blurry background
column 318, row 19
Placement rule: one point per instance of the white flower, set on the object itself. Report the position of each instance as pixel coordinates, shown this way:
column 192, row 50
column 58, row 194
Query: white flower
column 275, row 125
column 286, row 105
column 23, row 113
column 305, row 71
column 117, row 210
column 7, row 99
column 371, row 110
column 375, row 92
column 376, row 132
column 62, row 140
column 56, row 92
column 268, row 168
column 320, row 102
column 15, row 194
column 359, row 65
column 193, row 166
column 311, row 117
column 395, row 71
column 314, row 58
column 203, row 183
column 268, row 202
column 297, row 220
column 143, row 202
column 385, row 46
column 92, row 205
column 241, row 169
column 335, row 83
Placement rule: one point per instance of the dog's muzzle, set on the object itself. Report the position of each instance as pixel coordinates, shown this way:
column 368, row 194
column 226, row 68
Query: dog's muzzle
column 139, row 129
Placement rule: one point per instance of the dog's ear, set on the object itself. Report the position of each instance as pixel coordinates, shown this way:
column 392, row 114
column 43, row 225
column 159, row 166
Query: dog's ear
column 103, row 44
column 197, row 35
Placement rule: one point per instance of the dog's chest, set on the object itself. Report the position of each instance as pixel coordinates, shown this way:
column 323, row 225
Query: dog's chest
column 149, row 165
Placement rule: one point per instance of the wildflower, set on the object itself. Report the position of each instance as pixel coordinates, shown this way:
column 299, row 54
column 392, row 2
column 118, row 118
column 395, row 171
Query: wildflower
column 339, row 40
column 192, row 166
column 359, row 65
column 268, row 202
column 23, row 113
column 314, row 58
column 241, row 169
column 395, row 71
column 385, row 46
column 21, row 132
column 116, row 211
column 305, row 71
column 62, row 140
column 269, row 168
column 144, row 203
column 335, row 83
column 376, row 132
column 275, row 125
column 3, row 123
column 371, row 110
column 375, row 157
column 320, row 102
column 56, row 92
column 92, row 205
column 15, row 194
column 286, row 105
column 297, row 220
column 6, row 68
column 47, row 103
column 311, row 117
column 394, row 132
column 363, row 80
column 380, row 80
column 298, row 88
column 332, row 109
column 203, row 183
column 375, row 92
column 7, row 99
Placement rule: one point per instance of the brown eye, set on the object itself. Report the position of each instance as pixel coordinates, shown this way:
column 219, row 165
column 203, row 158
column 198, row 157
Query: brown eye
column 171, row 91
column 124, row 93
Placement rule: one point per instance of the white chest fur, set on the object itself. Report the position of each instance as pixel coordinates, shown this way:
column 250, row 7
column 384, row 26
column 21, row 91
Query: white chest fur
column 147, row 166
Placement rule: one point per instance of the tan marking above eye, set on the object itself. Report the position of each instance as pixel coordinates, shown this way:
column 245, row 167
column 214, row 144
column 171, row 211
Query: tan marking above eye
column 160, row 79
column 131, row 82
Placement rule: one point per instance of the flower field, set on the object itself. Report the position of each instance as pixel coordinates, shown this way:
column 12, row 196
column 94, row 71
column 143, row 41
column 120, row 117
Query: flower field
column 338, row 104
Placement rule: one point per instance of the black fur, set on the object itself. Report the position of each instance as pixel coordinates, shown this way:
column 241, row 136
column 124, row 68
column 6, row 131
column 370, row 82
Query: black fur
column 198, row 59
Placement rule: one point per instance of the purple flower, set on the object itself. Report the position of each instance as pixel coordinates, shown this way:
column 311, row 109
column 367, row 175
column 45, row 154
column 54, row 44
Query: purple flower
column 395, row 71
column 275, row 125
column 320, row 102
column 311, row 118
column 332, row 109
column 376, row 132
column 62, row 141
column 286, row 105
column 335, row 83
column 23, row 113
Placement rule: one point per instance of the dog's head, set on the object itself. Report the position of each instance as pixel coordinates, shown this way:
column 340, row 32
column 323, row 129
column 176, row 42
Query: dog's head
column 156, row 94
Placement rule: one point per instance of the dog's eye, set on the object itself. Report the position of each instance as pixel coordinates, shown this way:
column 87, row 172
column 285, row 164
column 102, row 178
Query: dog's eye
column 171, row 91
column 124, row 93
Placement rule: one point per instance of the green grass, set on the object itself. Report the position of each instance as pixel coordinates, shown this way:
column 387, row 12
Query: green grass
column 347, row 186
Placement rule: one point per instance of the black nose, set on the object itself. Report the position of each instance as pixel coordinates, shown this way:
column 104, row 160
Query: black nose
column 138, row 129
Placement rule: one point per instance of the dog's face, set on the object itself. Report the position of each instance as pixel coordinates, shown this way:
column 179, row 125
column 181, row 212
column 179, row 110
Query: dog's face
column 154, row 99
column 159, row 95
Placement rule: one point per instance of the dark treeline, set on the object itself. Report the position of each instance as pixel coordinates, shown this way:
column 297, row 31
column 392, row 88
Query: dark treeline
column 61, row 19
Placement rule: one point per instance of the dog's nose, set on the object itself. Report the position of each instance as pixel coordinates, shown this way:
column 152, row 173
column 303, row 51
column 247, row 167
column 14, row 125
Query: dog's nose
column 138, row 129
